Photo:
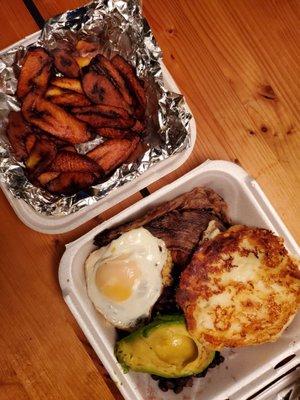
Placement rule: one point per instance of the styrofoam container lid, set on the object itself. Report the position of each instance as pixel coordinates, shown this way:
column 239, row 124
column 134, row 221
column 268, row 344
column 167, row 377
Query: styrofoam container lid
column 245, row 370
column 65, row 223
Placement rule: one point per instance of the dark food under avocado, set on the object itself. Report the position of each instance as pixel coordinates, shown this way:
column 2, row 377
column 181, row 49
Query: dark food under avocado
column 164, row 348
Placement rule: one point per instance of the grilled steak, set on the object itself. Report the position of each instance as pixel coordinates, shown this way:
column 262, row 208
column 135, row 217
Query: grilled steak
column 179, row 222
column 181, row 230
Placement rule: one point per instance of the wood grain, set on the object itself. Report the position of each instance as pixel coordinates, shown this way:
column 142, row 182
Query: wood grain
column 237, row 63
column 15, row 21
column 49, row 8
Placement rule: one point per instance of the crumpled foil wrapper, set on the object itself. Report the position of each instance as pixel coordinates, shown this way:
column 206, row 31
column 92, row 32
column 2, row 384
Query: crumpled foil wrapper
column 121, row 29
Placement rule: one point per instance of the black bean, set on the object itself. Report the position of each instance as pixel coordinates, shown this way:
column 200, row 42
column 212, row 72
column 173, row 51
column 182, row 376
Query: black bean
column 202, row 374
column 178, row 389
column 155, row 377
column 189, row 382
column 221, row 359
column 170, row 384
column 162, row 386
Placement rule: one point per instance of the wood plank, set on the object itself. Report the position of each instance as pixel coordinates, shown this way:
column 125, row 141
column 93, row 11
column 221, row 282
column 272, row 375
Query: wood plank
column 236, row 64
column 49, row 8
column 15, row 21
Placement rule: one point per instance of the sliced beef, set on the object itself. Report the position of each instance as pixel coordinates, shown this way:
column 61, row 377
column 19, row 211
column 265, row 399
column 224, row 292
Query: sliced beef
column 160, row 219
column 181, row 231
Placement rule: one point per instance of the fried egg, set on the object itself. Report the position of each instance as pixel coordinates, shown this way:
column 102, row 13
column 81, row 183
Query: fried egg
column 124, row 279
column 241, row 288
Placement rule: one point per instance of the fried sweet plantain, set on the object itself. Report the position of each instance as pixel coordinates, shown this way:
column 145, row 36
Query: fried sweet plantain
column 70, row 182
column 53, row 119
column 53, row 91
column 35, row 72
column 109, row 111
column 65, row 63
column 109, row 69
column 139, row 126
column 30, row 142
column 100, row 90
column 83, row 61
column 114, row 133
column 69, row 99
column 41, row 156
column 58, row 142
column 69, row 147
column 68, row 84
column 17, row 131
column 68, row 161
column 87, row 50
column 129, row 74
column 113, row 153
column 99, row 120
column 103, row 116
column 66, row 98
column 46, row 177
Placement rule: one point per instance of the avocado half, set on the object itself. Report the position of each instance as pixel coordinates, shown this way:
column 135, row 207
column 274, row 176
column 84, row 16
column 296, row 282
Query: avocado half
column 164, row 348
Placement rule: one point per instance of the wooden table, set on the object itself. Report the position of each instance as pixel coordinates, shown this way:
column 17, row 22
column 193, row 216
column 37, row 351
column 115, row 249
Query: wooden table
column 237, row 63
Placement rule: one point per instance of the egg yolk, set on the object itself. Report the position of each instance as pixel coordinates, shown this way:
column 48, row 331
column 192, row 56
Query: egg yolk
column 116, row 278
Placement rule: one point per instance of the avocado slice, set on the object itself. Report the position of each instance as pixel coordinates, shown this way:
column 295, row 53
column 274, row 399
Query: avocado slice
column 164, row 348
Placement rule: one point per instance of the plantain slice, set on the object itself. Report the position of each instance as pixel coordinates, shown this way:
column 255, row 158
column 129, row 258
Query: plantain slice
column 66, row 63
column 53, row 119
column 17, row 131
column 69, row 148
column 100, row 90
column 71, row 100
column 83, row 61
column 109, row 111
column 113, row 153
column 41, row 156
column 103, row 116
column 66, row 98
column 68, row 83
column 46, row 177
column 139, row 127
column 70, row 182
column 129, row 74
column 109, row 69
column 54, row 91
column 35, row 72
column 30, row 142
column 68, row 161
column 58, row 142
column 99, row 120
column 114, row 133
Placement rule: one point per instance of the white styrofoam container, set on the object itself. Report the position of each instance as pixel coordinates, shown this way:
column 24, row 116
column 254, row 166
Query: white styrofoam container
column 65, row 223
column 287, row 387
column 245, row 370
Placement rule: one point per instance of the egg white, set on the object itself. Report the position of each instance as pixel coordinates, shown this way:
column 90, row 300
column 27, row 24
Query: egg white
column 146, row 251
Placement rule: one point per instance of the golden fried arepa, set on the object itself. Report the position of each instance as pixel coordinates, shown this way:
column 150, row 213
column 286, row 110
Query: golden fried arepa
column 241, row 288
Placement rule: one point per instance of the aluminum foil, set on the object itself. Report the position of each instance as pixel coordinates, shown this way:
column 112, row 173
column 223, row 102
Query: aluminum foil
column 120, row 28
